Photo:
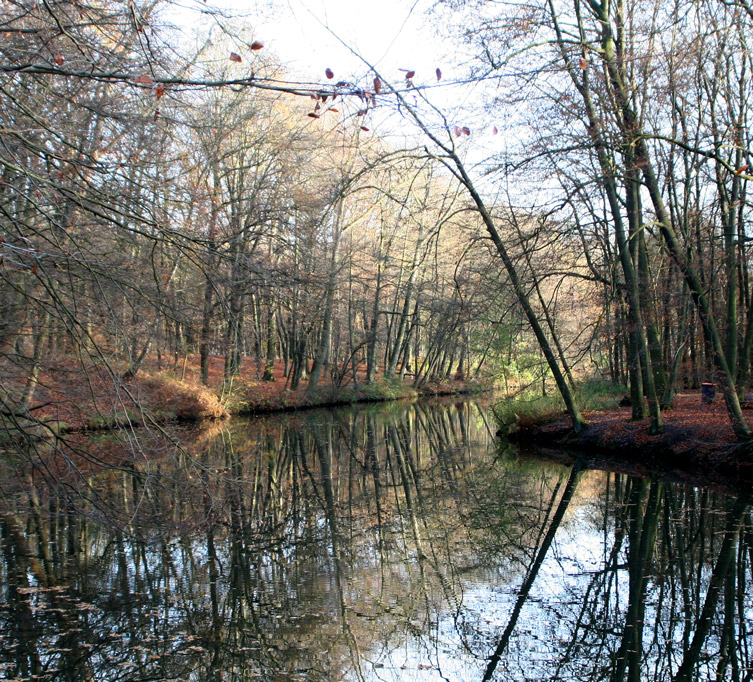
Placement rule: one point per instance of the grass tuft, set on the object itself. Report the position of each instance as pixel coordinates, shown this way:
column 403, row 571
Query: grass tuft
column 530, row 409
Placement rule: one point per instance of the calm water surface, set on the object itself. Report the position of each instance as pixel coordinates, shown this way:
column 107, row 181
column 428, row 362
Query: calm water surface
column 397, row 542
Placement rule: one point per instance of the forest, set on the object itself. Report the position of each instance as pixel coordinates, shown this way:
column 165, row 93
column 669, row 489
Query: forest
column 197, row 242
column 166, row 199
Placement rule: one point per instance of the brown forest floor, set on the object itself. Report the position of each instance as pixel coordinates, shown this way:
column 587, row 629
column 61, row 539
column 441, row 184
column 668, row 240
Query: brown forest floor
column 83, row 397
column 696, row 439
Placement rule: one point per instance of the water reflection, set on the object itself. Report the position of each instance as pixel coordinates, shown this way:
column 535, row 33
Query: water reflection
column 387, row 543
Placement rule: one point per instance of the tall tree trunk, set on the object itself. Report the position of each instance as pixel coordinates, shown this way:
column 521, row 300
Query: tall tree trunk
column 269, row 366
column 639, row 363
column 321, row 357
column 630, row 125
column 40, row 338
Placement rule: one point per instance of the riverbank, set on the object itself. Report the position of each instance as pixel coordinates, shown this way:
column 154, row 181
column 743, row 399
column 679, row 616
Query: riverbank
column 696, row 439
column 73, row 397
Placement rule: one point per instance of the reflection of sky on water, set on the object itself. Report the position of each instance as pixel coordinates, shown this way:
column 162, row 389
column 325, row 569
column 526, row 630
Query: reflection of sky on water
column 292, row 578
column 459, row 640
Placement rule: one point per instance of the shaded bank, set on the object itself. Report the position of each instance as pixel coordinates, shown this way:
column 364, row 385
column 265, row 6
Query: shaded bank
column 697, row 441
column 75, row 399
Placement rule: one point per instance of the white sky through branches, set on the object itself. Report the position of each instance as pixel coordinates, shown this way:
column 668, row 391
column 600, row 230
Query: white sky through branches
column 391, row 34
column 310, row 36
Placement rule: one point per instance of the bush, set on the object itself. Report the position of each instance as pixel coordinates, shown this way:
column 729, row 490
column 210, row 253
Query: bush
column 598, row 394
column 526, row 410
column 168, row 397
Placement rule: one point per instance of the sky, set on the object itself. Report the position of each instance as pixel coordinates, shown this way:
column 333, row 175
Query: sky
column 310, row 36
column 305, row 35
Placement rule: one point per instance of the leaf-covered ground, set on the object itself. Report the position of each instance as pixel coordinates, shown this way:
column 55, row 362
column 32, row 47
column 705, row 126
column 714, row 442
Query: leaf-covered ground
column 697, row 439
column 78, row 396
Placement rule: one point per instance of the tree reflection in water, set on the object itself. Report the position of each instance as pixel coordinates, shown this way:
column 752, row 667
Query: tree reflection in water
column 386, row 543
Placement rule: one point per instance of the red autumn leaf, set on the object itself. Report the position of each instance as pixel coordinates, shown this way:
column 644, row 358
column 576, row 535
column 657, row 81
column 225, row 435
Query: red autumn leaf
column 234, row 57
column 257, row 45
column 458, row 132
column 583, row 63
column 159, row 91
column 365, row 129
column 59, row 59
column 377, row 85
column 409, row 74
column 329, row 73
column 34, row 268
column 156, row 114
column 334, row 111
column 145, row 79
column 439, row 74
column 494, row 130
column 466, row 130
column 313, row 115
column 742, row 169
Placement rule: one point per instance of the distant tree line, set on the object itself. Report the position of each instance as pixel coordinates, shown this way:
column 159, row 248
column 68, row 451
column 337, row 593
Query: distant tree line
column 160, row 201
column 155, row 206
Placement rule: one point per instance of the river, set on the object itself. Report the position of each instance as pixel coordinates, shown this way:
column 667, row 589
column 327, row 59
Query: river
column 387, row 542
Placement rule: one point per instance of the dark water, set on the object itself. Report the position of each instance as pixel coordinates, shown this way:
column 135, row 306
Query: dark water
column 388, row 543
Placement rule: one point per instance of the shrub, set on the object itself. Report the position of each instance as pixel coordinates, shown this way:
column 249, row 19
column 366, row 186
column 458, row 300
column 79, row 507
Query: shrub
column 598, row 394
column 168, row 397
column 525, row 411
